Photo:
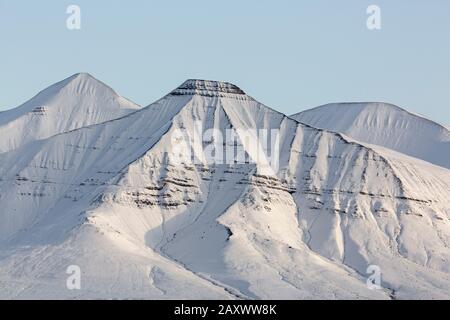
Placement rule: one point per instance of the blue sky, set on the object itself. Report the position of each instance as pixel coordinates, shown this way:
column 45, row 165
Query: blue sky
column 290, row 55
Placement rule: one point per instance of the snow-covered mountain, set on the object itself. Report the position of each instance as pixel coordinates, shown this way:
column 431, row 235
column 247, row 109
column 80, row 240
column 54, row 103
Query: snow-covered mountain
column 386, row 125
column 75, row 102
column 122, row 201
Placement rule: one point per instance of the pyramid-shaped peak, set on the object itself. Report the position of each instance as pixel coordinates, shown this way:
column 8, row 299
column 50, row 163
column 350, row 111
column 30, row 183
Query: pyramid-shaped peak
column 80, row 84
column 73, row 93
column 208, row 88
column 83, row 75
column 77, row 77
column 83, row 78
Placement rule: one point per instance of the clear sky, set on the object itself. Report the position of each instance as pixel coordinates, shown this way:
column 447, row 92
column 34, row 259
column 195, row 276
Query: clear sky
column 290, row 55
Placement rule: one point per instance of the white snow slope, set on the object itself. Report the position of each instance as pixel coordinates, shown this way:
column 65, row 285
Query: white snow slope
column 75, row 102
column 386, row 125
column 113, row 199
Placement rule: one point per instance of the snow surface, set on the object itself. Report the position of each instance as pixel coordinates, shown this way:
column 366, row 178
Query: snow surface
column 386, row 125
column 75, row 102
column 112, row 199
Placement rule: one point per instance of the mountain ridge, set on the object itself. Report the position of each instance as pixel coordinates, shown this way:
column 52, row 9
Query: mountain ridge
column 376, row 123
column 371, row 103
column 114, row 199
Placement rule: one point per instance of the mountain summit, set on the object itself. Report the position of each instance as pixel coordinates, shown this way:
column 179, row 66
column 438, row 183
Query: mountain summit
column 78, row 101
column 207, row 88
column 385, row 125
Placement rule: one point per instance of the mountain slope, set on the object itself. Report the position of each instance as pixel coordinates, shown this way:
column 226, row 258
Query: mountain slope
column 75, row 102
column 123, row 201
column 385, row 125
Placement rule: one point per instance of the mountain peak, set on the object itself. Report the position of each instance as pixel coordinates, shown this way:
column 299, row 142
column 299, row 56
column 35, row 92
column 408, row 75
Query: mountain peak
column 77, row 101
column 82, row 75
column 83, row 79
column 371, row 109
column 377, row 123
column 207, row 88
